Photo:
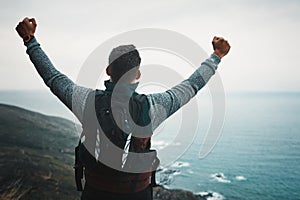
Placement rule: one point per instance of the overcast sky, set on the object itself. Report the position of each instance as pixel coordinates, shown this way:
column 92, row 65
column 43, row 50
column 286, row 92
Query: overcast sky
column 264, row 35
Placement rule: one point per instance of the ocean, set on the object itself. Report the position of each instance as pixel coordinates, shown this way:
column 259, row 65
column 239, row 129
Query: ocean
column 256, row 157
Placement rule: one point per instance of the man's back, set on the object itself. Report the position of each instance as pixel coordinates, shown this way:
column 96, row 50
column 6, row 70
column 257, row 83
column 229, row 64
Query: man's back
column 116, row 158
column 154, row 109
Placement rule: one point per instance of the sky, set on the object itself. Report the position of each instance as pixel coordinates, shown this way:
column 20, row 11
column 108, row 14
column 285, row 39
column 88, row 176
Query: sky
column 264, row 36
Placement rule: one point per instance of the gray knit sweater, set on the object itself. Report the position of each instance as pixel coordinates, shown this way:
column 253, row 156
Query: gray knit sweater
column 75, row 96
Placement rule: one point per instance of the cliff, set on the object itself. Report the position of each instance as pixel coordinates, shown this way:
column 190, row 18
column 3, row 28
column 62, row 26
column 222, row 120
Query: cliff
column 37, row 158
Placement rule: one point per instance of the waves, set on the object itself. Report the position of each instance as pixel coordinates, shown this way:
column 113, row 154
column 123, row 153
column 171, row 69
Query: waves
column 240, row 178
column 166, row 176
column 220, row 177
column 180, row 164
column 210, row 195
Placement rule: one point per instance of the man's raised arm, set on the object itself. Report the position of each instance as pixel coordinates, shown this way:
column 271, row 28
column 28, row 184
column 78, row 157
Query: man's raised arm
column 72, row 95
column 163, row 105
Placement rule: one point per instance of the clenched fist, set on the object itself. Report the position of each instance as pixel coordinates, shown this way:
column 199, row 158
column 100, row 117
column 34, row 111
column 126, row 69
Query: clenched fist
column 26, row 28
column 221, row 46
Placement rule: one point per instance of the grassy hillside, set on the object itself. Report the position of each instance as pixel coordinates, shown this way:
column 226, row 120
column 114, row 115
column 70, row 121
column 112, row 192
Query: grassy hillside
column 36, row 155
column 36, row 158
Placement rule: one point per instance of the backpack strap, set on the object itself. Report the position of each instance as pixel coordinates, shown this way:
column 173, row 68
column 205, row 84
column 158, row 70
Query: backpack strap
column 78, row 168
column 89, row 120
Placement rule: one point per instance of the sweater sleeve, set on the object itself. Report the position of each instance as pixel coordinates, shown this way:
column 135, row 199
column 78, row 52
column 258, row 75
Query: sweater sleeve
column 72, row 95
column 163, row 105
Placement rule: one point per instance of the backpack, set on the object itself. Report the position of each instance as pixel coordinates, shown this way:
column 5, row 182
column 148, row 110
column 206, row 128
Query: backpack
column 125, row 162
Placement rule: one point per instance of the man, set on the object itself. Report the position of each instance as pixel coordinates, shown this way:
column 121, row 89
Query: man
column 114, row 175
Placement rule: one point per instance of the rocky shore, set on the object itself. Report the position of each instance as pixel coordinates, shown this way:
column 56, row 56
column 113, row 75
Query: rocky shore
column 161, row 193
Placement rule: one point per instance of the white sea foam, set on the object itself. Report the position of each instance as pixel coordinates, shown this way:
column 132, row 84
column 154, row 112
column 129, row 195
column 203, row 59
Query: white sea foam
column 240, row 178
column 166, row 176
column 216, row 196
column 176, row 173
column 169, row 171
column 220, row 177
column 179, row 164
column 210, row 195
column 164, row 179
column 203, row 193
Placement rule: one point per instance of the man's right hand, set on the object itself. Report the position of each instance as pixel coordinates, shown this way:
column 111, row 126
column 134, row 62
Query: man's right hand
column 26, row 28
column 221, row 46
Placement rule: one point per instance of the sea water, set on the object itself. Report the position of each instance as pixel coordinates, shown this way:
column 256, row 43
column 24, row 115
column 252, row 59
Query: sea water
column 258, row 154
column 256, row 157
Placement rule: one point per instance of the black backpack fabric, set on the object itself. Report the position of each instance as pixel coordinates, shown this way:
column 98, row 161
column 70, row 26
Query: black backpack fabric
column 101, row 132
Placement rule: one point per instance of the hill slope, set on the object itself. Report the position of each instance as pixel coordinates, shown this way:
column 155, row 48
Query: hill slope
column 36, row 158
column 36, row 155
